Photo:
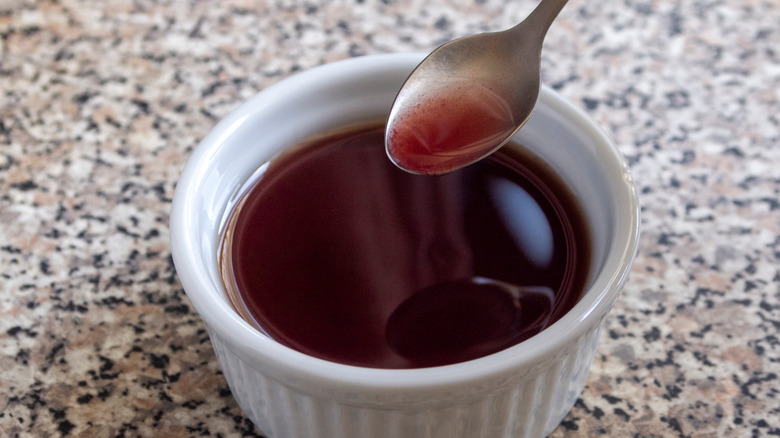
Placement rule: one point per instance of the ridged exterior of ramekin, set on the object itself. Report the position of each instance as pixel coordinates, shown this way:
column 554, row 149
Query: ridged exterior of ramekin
column 527, row 405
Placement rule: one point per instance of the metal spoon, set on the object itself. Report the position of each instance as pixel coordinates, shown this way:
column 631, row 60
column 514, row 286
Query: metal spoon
column 469, row 96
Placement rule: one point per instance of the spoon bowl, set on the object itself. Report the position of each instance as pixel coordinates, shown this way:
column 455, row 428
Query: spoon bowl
column 468, row 97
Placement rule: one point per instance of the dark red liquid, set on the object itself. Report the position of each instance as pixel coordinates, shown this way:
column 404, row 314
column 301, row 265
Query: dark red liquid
column 449, row 128
column 332, row 238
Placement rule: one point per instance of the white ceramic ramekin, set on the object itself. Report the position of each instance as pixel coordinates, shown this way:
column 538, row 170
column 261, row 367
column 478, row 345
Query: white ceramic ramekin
column 523, row 391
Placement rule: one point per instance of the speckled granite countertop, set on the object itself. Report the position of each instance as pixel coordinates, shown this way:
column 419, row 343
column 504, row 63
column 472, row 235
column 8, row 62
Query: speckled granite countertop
column 101, row 103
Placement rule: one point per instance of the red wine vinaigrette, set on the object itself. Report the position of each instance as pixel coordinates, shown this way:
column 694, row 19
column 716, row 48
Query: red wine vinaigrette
column 331, row 239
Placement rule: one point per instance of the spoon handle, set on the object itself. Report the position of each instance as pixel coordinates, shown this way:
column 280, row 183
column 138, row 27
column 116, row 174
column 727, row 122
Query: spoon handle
column 540, row 19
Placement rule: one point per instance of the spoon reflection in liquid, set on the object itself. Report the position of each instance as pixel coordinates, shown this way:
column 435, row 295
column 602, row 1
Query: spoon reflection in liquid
column 464, row 319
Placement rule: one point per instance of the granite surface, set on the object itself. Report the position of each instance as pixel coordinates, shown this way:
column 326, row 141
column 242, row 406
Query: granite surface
column 101, row 103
